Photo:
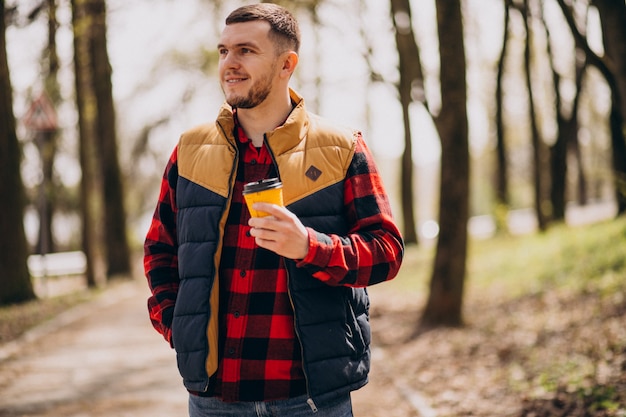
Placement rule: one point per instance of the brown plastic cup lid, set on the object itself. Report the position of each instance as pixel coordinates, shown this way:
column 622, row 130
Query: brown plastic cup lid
column 262, row 185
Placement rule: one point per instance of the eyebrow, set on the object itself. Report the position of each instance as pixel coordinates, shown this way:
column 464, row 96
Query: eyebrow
column 239, row 45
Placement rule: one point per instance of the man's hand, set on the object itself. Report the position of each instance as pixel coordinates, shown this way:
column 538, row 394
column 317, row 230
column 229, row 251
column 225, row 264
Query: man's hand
column 281, row 231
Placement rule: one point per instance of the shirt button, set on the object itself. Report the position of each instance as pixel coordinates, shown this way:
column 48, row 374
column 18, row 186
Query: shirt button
column 231, row 351
column 253, row 162
column 248, row 233
column 236, row 314
column 242, row 274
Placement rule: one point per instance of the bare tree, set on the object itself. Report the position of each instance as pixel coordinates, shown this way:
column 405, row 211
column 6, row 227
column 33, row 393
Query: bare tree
column 16, row 285
column 411, row 81
column 115, row 233
column 502, row 180
column 448, row 278
column 539, row 149
column 90, row 196
column 613, row 68
column 613, row 18
column 104, row 217
column 46, row 140
column 567, row 135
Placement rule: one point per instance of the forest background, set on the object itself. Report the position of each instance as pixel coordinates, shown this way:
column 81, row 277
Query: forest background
column 504, row 107
column 523, row 93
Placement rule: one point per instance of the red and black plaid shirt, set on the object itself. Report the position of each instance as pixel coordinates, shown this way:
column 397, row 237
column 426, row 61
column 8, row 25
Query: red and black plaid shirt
column 260, row 356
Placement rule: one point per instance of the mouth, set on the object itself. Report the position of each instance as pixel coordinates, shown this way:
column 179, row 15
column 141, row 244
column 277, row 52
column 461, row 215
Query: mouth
column 234, row 80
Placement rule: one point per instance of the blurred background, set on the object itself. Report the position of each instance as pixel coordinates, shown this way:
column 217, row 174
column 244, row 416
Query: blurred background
column 498, row 127
column 507, row 117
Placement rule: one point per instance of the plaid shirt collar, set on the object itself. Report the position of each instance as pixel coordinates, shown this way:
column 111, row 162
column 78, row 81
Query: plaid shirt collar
column 249, row 151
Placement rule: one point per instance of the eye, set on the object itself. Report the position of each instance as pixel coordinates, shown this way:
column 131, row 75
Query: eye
column 222, row 51
column 245, row 51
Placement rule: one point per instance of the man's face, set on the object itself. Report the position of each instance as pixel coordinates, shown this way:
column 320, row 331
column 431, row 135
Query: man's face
column 247, row 64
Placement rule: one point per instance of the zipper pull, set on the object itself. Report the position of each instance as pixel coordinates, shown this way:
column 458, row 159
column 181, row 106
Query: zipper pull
column 312, row 405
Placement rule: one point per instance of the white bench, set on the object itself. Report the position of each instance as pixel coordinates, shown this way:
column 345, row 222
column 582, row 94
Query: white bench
column 57, row 264
column 57, row 273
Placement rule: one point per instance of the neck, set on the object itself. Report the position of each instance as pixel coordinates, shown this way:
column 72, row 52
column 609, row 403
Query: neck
column 263, row 118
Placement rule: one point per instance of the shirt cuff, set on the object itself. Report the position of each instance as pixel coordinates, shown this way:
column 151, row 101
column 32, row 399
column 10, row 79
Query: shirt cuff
column 315, row 253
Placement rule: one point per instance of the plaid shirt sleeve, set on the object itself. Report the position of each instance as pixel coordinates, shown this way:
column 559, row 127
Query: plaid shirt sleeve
column 160, row 254
column 373, row 249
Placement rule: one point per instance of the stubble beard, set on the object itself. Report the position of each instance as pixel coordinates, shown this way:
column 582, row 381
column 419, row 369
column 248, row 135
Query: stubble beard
column 257, row 95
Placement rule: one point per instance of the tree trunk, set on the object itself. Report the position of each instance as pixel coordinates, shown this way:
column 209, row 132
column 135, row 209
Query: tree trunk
column 501, row 174
column 581, row 178
column 411, row 81
column 91, row 201
column 47, row 141
column 618, row 143
column 558, row 169
column 613, row 18
column 448, row 278
column 557, row 151
column 612, row 15
column 116, row 242
column 567, row 131
column 538, row 146
column 16, row 284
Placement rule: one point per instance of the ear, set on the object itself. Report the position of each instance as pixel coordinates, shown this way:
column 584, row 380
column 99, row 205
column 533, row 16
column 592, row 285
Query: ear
column 290, row 61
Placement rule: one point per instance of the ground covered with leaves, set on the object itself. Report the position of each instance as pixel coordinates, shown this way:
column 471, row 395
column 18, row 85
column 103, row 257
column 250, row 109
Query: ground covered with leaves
column 17, row 319
column 543, row 355
column 544, row 333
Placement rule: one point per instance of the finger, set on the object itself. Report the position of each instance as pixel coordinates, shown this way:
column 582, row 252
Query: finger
column 263, row 234
column 272, row 209
column 258, row 224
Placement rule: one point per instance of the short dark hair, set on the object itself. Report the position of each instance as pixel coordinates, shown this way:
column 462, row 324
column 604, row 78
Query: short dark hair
column 284, row 26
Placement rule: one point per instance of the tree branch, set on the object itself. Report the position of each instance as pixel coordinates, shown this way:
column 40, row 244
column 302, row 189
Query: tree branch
column 581, row 42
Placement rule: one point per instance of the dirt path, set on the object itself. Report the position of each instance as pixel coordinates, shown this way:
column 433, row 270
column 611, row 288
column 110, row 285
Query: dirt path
column 104, row 359
column 107, row 361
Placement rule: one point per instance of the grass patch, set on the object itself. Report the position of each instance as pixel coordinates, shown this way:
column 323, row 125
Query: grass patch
column 545, row 326
column 585, row 258
column 589, row 258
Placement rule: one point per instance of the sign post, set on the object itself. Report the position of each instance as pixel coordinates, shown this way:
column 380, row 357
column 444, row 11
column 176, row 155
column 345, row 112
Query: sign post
column 41, row 116
column 42, row 119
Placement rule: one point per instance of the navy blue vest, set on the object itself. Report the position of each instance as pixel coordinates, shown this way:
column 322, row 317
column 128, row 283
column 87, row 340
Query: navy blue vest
column 332, row 323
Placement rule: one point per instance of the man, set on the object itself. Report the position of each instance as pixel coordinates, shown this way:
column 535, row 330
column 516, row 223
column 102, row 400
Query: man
column 268, row 315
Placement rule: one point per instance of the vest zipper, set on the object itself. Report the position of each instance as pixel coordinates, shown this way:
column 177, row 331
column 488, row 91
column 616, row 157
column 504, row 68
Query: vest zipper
column 312, row 405
column 267, row 145
column 309, row 401
column 231, row 181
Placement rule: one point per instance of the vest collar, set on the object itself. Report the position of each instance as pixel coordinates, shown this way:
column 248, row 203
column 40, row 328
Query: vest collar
column 281, row 139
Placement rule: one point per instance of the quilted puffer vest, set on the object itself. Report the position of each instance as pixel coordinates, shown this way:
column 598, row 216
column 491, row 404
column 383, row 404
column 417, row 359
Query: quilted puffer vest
column 332, row 323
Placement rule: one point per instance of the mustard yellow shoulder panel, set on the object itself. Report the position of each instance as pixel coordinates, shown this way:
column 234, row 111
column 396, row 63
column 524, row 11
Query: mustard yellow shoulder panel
column 206, row 158
column 309, row 160
column 318, row 161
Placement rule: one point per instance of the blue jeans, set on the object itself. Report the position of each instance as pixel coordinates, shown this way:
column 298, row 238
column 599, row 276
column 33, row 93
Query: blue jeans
column 293, row 407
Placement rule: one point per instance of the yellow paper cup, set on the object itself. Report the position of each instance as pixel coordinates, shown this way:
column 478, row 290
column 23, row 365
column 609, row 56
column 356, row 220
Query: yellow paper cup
column 263, row 191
